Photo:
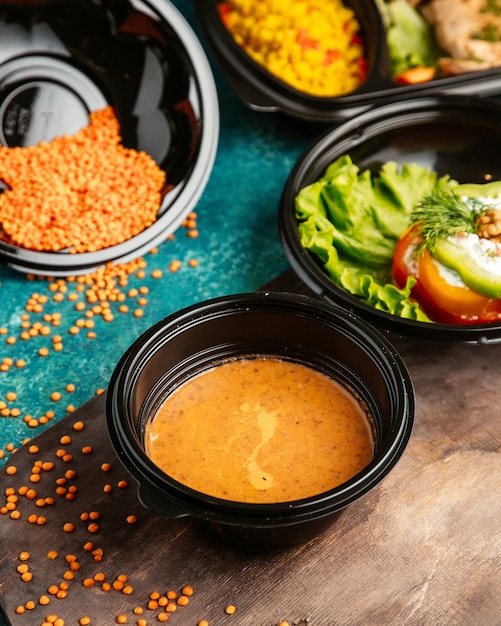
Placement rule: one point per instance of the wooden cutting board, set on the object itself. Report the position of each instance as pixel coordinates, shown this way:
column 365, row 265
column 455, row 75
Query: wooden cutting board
column 423, row 548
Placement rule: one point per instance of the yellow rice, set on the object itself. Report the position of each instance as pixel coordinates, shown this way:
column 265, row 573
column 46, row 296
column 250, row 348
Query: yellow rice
column 312, row 45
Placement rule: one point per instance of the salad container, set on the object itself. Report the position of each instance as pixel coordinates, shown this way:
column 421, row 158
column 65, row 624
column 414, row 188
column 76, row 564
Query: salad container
column 455, row 136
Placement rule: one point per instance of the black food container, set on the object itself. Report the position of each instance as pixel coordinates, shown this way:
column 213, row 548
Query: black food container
column 59, row 61
column 452, row 135
column 264, row 92
column 280, row 325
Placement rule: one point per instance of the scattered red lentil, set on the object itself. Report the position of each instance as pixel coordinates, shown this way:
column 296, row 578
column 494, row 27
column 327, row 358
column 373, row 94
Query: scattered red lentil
column 315, row 49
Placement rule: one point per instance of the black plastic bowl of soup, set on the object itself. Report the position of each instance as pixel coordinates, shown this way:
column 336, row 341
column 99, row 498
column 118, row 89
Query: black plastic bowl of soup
column 261, row 416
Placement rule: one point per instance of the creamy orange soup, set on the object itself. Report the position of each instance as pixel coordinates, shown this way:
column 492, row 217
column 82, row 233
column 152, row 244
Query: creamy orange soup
column 260, row 430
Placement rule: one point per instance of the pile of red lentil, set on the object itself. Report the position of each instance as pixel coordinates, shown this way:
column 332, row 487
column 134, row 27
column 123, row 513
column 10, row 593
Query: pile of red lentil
column 79, row 193
column 314, row 46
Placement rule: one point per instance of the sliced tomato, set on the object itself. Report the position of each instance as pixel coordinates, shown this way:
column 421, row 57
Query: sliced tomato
column 440, row 299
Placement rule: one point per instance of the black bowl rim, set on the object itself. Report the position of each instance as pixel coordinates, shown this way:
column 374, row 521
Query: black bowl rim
column 346, row 135
column 184, row 199
column 187, row 501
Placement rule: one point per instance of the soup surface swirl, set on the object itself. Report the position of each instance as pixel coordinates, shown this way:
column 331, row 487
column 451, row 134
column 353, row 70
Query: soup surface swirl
column 260, row 430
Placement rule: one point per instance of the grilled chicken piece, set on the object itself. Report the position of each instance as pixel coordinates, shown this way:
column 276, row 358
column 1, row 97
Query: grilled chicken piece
column 455, row 67
column 468, row 30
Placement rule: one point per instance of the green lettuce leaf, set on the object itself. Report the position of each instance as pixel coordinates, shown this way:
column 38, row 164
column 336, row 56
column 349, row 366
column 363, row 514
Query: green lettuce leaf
column 410, row 38
column 350, row 221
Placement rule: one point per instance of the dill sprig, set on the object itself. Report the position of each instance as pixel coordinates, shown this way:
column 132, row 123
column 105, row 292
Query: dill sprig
column 443, row 214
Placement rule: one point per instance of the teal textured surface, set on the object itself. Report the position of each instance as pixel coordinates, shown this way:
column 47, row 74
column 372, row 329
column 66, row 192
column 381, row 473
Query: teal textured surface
column 237, row 250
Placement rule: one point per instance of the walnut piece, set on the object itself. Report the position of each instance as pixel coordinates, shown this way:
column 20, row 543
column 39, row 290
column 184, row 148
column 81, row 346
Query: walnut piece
column 489, row 225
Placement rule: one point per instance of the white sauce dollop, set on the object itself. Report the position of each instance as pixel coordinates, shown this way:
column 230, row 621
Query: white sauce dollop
column 486, row 253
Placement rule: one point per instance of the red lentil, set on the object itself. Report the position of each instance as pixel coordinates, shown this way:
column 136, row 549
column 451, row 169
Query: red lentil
column 55, row 203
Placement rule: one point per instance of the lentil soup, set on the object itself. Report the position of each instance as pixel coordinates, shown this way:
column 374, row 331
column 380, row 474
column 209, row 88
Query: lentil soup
column 260, row 430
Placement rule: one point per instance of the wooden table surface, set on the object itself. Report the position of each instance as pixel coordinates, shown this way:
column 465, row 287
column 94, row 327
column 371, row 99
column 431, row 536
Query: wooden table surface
column 423, row 548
